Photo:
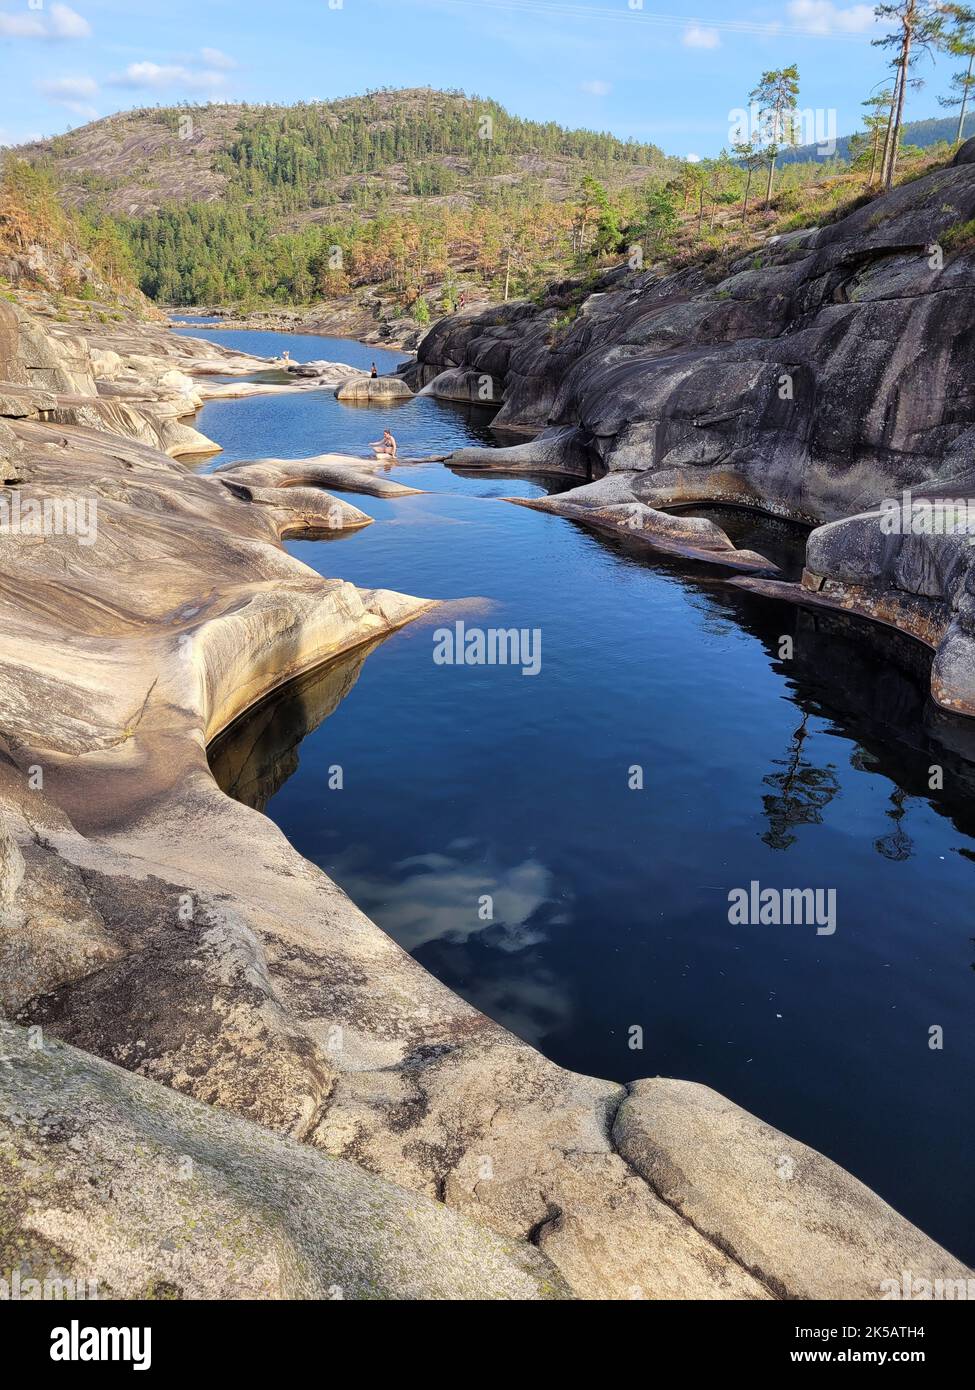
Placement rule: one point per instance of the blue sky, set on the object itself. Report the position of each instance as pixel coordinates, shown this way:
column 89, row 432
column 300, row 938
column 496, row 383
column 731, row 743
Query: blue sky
column 663, row 72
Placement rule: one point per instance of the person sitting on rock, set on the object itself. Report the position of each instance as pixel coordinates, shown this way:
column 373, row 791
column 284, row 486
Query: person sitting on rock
column 375, row 371
column 385, row 447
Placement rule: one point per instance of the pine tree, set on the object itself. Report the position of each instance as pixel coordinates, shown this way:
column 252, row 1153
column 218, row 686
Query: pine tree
column 751, row 157
column 960, row 43
column 918, row 29
column 776, row 98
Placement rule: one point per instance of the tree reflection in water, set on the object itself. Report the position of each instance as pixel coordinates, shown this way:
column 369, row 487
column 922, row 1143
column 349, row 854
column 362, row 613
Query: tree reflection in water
column 897, row 845
column 800, row 793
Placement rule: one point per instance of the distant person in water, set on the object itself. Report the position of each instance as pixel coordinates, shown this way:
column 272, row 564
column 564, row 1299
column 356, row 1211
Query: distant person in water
column 385, row 447
column 374, row 371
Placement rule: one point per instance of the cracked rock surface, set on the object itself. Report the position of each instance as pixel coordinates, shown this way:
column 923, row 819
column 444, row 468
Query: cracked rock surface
column 108, row 1177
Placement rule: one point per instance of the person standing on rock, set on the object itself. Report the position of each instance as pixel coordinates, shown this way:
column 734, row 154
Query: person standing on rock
column 375, row 370
column 385, row 447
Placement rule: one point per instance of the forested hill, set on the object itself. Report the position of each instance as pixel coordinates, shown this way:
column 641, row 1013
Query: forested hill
column 230, row 203
column 401, row 205
column 921, row 134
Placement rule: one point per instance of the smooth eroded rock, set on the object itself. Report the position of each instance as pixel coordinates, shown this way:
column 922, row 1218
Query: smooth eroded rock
column 800, row 1223
column 378, row 388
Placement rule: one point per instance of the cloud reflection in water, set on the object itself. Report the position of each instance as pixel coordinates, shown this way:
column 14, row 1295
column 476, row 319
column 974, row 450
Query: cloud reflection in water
column 429, row 904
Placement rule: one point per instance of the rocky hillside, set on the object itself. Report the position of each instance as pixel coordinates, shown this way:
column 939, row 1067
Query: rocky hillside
column 230, row 204
column 316, row 156
column 826, row 373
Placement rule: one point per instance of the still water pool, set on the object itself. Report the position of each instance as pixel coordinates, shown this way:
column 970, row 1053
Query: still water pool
column 611, row 903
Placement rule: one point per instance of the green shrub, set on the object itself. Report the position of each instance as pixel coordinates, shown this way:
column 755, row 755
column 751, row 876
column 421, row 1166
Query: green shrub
column 960, row 238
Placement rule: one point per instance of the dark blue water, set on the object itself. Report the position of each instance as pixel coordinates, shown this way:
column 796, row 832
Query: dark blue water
column 611, row 904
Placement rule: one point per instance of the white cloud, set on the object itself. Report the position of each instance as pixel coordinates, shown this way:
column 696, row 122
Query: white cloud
column 74, row 93
column 823, row 17
column 82, row 109
column 154, row 76
column 697, row 36
column 60, row 22
column 693, row 159
column 73, row 87
column 68, row 24
column 21, row 26
column 596, row 88
column 215, row 58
